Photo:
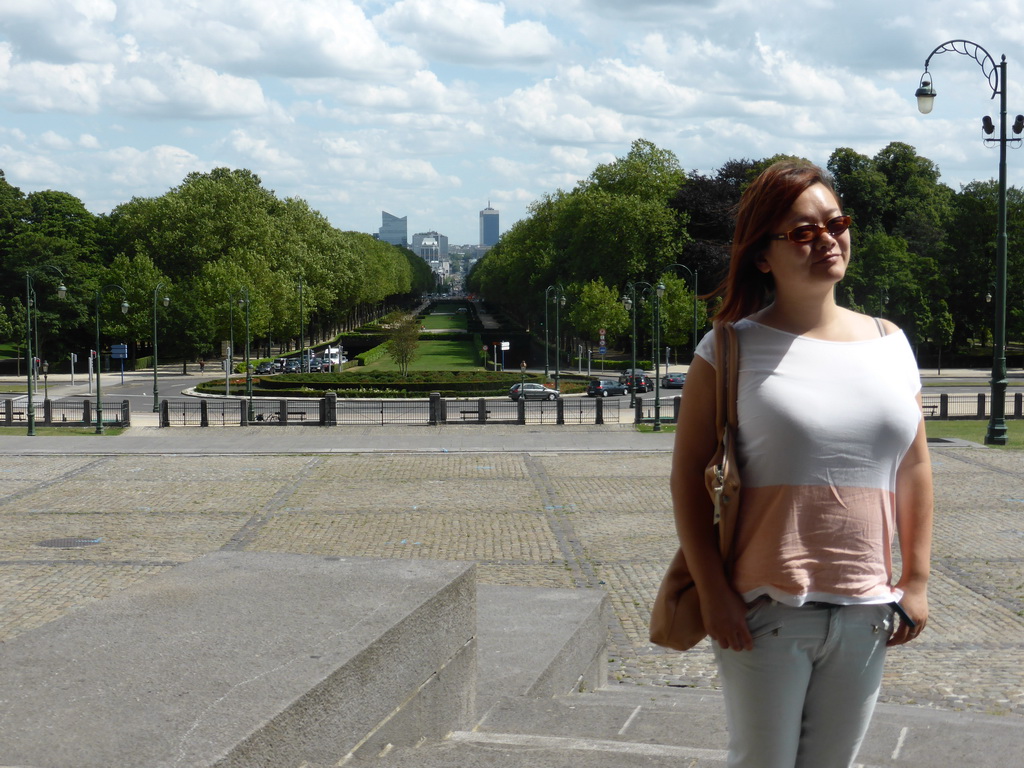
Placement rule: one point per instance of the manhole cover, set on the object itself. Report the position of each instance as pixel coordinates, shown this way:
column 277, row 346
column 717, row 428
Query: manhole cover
column 68, row 543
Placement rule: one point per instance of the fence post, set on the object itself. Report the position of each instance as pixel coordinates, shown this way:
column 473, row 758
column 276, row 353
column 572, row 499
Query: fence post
column 434, row 409
column 559, row 411
column 87, row 412
column 1018, row 405
column 677, row 401
column 481, row 411
column 638, row 415
column 8, row 412
column 126, row 413
column 599, row 410
column 329, row 410
column 282, row 412
column 243, row 419
column 204, row 413
column 47, row 413
column 981, row 405
column 944, row 406
column 165, row 415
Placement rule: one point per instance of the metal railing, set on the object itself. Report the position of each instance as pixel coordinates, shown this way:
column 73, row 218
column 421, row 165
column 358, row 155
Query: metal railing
column 65, row 413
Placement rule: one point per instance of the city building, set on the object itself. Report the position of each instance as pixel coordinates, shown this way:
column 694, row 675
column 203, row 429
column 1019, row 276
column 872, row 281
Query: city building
column 489, row 231
column 394, row 230
column 432, row 247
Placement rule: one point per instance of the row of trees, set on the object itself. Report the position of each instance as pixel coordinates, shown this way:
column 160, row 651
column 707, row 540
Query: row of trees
column 923, row 254
column 206, row 244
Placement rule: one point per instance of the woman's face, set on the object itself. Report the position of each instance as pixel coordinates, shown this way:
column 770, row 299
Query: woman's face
column 819, row 263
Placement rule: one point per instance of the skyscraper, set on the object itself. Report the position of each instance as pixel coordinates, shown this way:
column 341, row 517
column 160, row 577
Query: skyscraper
column 488, row 225
column 394, row 230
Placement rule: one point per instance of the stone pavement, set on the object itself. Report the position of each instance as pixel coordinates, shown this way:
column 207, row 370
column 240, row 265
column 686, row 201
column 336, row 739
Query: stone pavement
column 583, row 507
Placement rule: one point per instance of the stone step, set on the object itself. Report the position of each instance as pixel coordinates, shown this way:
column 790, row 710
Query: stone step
column 632, row 725
column 244, row 659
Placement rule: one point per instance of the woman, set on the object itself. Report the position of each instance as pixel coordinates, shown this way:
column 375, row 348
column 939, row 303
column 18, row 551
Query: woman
column 833, row 459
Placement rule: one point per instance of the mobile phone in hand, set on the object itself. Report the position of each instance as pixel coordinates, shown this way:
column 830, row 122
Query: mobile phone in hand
column 904, row 616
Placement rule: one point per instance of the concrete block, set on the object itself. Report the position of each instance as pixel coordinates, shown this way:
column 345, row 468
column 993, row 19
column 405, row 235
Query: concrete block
column 245, row 659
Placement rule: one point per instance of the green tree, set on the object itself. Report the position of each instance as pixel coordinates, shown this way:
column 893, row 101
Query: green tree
column 596, row 306
column 403, row 340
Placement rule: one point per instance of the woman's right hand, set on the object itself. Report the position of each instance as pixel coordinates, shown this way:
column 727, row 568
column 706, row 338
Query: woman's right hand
column 725, row 619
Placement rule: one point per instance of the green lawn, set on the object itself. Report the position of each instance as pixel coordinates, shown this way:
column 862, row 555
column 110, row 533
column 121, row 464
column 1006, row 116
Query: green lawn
column 974, row 430
column 436, row 356
column 436, row 322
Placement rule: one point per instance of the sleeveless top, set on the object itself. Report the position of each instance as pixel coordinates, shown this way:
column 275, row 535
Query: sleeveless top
column 823, row 427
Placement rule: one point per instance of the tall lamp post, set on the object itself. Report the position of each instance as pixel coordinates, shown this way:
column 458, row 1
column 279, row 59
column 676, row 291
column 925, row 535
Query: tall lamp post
column 302, row 329
column 30, row 293
column 692, row 273
column 99, row 365
column 629, row 301
column 156, row 382
column 244, row 302
column 996, row 74
column 558, row 293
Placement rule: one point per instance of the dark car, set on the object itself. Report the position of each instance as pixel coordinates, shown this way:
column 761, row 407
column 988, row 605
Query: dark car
column 642, row 383
column 531, row 391
column 674, row 381
column 316, row 365
column 292, row 365
column 265, row 368
column 605, row 388
column 279, row 364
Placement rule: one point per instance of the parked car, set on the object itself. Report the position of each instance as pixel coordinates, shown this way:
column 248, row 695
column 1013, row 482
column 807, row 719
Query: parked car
column 531, row 391
column 674, row 380
column 265, row 368
column 641, row 382
column 606, row 387
column 292, row 365
column 316, row 365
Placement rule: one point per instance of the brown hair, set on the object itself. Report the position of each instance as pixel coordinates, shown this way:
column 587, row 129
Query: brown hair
column 746, row 289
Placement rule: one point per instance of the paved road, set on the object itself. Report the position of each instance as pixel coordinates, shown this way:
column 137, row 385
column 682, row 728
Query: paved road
column 584, row 507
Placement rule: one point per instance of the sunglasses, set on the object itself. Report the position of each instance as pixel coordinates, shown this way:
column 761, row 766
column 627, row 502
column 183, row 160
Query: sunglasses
column 809, row 232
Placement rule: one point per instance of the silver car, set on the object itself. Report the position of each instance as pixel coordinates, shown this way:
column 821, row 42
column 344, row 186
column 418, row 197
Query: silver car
column 531, row 391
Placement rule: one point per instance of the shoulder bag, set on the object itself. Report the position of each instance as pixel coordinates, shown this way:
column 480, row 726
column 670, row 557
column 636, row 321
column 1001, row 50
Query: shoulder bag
column 676, row 620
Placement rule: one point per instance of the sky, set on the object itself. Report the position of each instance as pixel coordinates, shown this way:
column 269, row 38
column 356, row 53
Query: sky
column 432, row 109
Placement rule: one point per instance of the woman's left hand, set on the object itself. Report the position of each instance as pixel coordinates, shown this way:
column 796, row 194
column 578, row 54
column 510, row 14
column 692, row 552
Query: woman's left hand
column 915, row 603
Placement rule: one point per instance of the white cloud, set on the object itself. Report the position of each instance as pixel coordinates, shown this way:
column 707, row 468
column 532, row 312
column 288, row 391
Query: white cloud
column 468, row 31
column 283, row 38
column 53, row 140
column 161, row 165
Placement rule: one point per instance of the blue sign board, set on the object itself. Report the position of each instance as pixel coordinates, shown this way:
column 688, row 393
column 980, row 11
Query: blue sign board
column 119, row 351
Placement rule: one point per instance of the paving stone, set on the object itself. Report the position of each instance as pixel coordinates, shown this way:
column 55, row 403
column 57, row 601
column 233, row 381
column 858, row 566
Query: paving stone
column 585, row 519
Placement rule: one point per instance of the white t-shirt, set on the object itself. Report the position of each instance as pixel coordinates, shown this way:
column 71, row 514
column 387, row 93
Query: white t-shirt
column 823, row 427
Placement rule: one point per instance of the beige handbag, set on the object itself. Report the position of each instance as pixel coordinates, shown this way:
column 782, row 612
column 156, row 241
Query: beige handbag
column 676, row 621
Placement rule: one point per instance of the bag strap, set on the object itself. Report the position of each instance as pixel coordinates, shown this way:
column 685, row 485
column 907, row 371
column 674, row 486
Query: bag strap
column 727, row 354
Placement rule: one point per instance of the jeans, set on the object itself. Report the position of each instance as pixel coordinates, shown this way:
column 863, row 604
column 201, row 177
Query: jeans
column 803, row 697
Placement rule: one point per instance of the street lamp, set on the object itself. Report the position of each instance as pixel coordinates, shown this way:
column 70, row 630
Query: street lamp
column 99, row 366
column 693, row 273
column 46, row 383
column 302, row 328
column 629, row 301
column 659, row 291
column 156, row 385
column 996, row 74
column 243, row 301
column 30, row 293
column 559, row 296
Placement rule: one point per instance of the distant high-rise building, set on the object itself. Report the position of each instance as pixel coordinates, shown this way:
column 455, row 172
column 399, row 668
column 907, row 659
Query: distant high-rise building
column 489, row 225
column 394, row 230
column 431, row 246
